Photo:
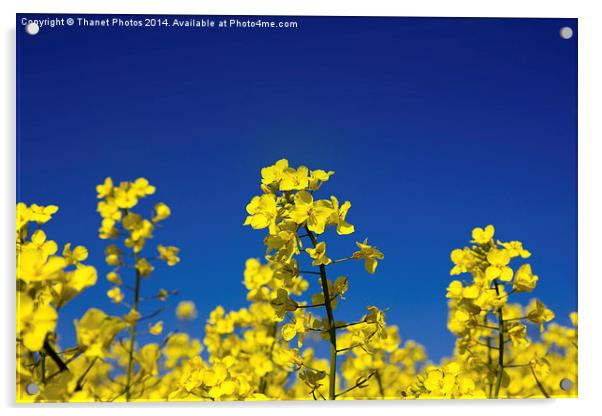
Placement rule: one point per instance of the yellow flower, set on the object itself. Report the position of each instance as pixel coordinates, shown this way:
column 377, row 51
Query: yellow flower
column 498, row 265
column 81, row 278
column 261, row 364
column 186, row 310
column 41, row 214
column 142, row 188
column 113, row 255
column 288, row 332
column 285, row 242
column 294, row 179
column 78, row 254
column 262, row 212
column 156, row 329
column 317, row 177
column 105, row 188
column 518, row 334
column 282, row 303
column 147, row 358
column 23, row 215
column 256, row 277
column 455, row 290
column 272, row 175
column 370, row 254
column 574, row 319
column 515, row 249
column 463, row 260
column 96, row 331
column 524, row 279
column 34, row 321
column 319, row 254
column 114, row 278
column 144, row 267
column 540, row 365
column 162, row 212
column 299, row 326
column 376, row 317
column 339, row 215
column 125, row 197
column 180, row 346
column 140, row 229
column 132, row 317
column 107, row 229
column 38, row 240
column 108, row 209
column 539, row 314
column 340, row 286
column 483, row 236
column 115, row 294
column 163, row 294
column 440, row 383
column 458, row 321
column 315, row 214
column 35, row 265
column 169, row 254
column 312, row 378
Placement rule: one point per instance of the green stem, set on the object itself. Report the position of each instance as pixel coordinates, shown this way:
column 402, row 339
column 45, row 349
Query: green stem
column 489, row 360
column 547, row 396
column 54, row 356
column 349, row 324
column 501, row 343
column 80, row 381
column 332, row 331
column 355, row 386
column 342, row 260
column 43, row 366
column 132, row 338
column 380, row 384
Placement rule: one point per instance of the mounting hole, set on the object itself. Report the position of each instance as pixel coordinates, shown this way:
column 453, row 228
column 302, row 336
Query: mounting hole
column 32, row 388
column 566, row 32
column 566, row 384
column 32, row 28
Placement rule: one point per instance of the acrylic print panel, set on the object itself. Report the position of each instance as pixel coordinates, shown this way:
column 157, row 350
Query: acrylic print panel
column 217, row 208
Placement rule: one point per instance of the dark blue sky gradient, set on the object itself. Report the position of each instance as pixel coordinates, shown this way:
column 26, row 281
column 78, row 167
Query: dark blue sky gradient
column 433, row 126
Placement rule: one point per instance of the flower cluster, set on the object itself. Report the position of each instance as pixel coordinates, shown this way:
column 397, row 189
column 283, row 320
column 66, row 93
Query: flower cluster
column 291, row 211
column 494, row 356
column 266, row 350
column 104, row 365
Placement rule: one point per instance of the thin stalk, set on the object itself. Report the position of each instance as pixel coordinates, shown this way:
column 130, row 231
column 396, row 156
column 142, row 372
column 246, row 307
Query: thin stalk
column 355, row 386
column 380, row 384
column 54, row 356
column 332, row 331
column 516, row 319
column 342, row 260
column 80, row 381
column 350, row 324
column 313, row 305
column 132, row 339
column 501, row 344
column 56, row 373
column 43, row 366
column 489, row 361
column 547, row 396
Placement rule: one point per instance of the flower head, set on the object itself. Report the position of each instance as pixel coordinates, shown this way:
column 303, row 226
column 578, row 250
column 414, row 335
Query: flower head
column 370, row 254
column 186, row 310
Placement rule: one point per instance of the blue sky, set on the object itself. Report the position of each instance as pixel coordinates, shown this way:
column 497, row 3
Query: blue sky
column 433, row 127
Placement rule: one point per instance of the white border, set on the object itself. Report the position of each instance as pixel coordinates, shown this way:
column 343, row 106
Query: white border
column 590, row 206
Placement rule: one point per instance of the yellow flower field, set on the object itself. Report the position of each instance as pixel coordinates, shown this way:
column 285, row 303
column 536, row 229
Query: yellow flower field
column 259, row 352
